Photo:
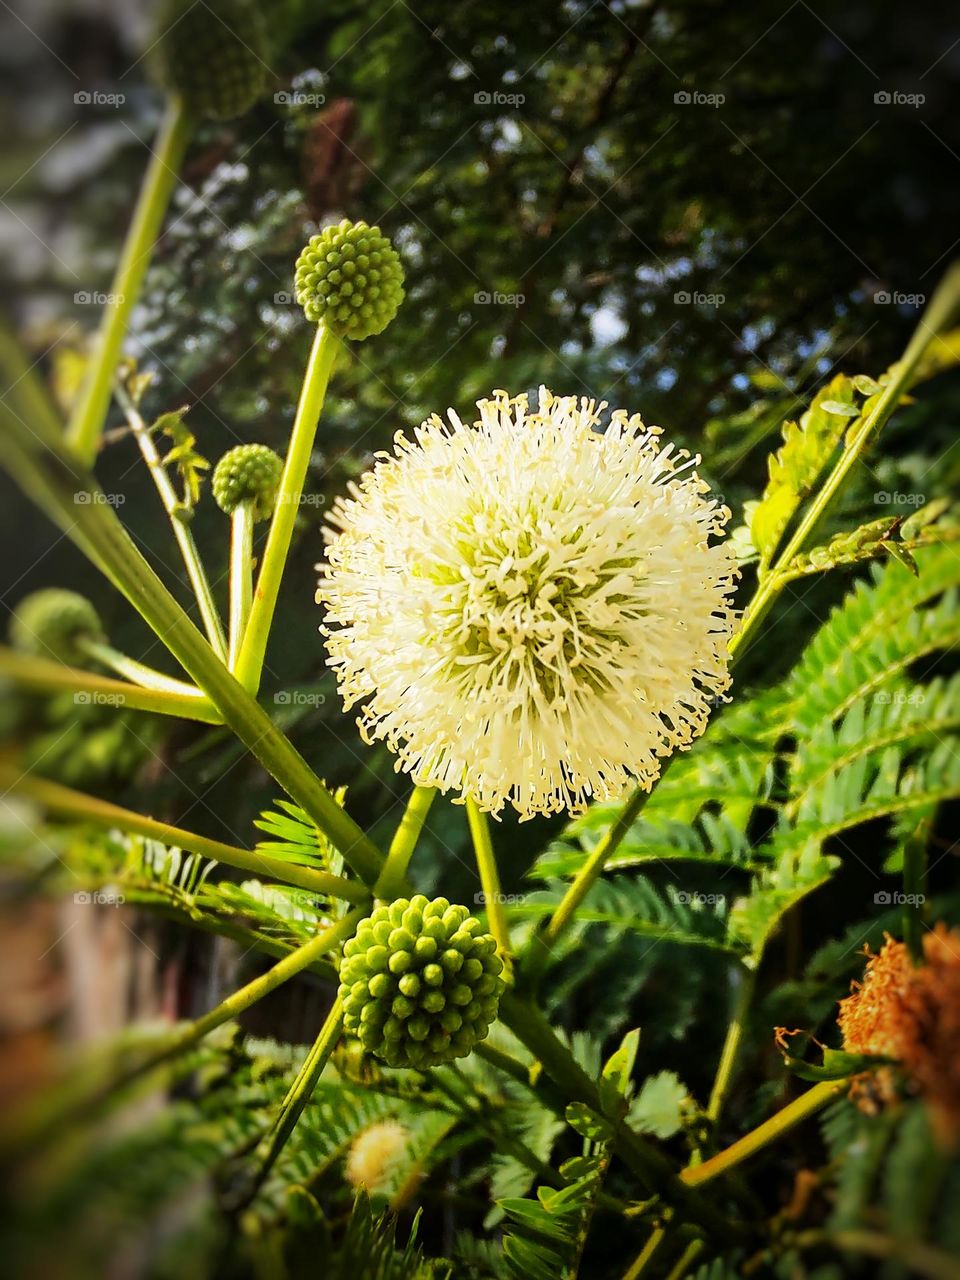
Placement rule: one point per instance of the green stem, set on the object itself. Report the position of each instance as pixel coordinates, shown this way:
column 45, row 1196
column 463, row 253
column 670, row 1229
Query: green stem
column 681, row 1269
column 404, row 843
column 920, row 1258
column 86, row 423
column 785, row 1120
column 33, row 1128
column 587, row 875
column 298, row 1095
column 936, row 318
column 181, row 531
column 646, row 1254
column 137, row 672
column 490, row 882
column 42, row 675
column 731, row 1045
column 241, row 576
column 63, row 802
column 53, row 481
column 314, row 389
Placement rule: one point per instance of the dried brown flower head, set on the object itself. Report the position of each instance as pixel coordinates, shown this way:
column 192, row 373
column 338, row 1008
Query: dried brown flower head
column 911, row 1014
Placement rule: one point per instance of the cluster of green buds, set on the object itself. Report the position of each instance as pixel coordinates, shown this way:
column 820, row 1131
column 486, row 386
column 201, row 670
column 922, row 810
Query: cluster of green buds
column 250, row 473
column 54, row 623
column 349, row 277
column 214, row 55
column 420, row 982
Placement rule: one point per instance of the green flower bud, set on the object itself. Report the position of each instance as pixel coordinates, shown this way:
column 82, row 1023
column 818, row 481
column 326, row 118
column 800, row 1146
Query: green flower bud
column 248, row 473
column 349, row 278
column 50, row 623
column 419, row 1009
column 213, row 54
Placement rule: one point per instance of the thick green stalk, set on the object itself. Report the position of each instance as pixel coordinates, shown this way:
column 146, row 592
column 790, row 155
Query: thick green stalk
column 137, row 672
column 53, row 481
column 86, row 423
column 241, row 576
column 314, row 389
column 403, row 845
column 298, row 1095
column 42, row 675
column 33, row 1127
column 786, row 1119
column 63, row 802
column 490, row 882
column 181, row 530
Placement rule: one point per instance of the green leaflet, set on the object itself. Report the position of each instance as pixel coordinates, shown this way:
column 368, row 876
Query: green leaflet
column 658, row 1107
column 807, row 448
column 297, row 838
column 889, row 536
column 546, row 1235
column 876, row 633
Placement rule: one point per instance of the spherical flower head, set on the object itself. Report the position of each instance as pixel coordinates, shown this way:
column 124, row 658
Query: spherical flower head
column 214, row 54
column 420, row 982
column 375, row 1153
column 52, row 623
column 249, row 473
column 349, row 278
column 530, row 610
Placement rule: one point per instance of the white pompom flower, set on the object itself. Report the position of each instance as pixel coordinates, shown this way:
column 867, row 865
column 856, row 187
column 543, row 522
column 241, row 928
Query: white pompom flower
column 375, row 1154
column 530, row 610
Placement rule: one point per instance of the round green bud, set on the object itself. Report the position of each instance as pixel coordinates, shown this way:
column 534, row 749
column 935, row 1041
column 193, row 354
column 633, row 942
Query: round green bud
column 248, row 473
column 51, row 623
column 424, row 1006
column 349, row 277
column 215, row 55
